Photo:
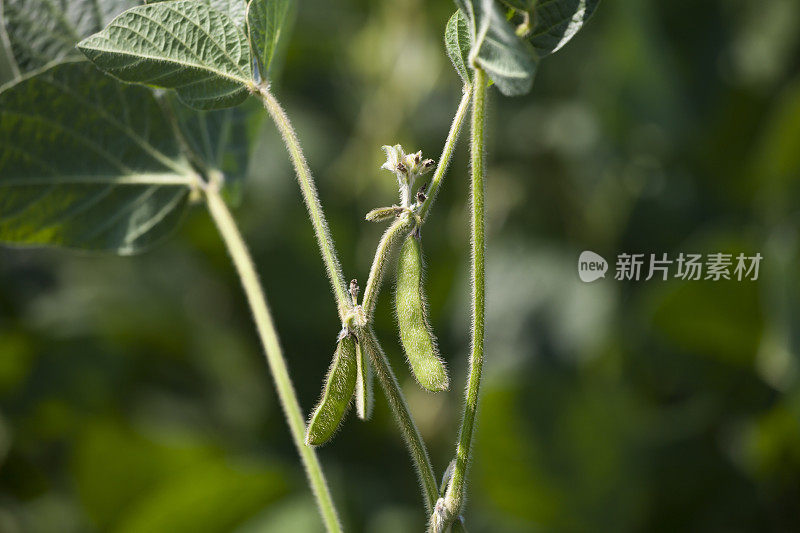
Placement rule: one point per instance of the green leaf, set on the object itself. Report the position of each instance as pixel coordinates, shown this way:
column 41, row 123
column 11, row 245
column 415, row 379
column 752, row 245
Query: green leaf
column 457, row 44
column 9, row 70
column 235, row 9
column 41, row 32
column 521, row 5
column 87, row 163
column 218, row 142
column 508, row 60
column 555, row 22
column 182, row 45
column 218, row 138
column 266, row 22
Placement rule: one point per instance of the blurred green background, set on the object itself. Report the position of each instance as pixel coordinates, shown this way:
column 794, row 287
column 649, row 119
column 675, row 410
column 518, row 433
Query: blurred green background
column 134, row 396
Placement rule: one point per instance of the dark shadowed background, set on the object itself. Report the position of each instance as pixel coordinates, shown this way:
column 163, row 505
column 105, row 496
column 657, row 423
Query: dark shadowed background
column 134, row 395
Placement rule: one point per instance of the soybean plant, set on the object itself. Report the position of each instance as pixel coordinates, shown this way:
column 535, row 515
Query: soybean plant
column 108, row 155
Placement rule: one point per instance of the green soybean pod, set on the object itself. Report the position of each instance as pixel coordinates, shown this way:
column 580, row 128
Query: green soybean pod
column 337, row 392
column 415, row 332
column 383, row 213
column 363, row 385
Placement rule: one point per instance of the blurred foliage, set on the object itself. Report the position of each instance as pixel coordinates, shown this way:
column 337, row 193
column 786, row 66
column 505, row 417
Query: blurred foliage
column 133, row 393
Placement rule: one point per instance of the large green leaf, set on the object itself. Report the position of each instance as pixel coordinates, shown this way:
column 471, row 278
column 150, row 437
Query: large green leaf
column 184, row 45
column 43, row 31
column 86, row 162
column 457, row 44
column 508, row 60
column 235, row 9
column 555, row 22
column 521, row 5
column 40, row 32
column 71, row 21
column 8, row 65
column 267, row 20
column 218, row 138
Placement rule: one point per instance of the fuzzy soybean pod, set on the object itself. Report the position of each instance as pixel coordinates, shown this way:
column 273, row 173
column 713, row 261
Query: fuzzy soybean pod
column 336, row 394
column 415, row 332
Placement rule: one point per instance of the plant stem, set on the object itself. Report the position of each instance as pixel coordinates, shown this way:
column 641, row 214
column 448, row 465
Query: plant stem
column 311, row 198
column 277, row 365
column 447, row 152
column 397, row 229
column 399, row 408
column 454, row 498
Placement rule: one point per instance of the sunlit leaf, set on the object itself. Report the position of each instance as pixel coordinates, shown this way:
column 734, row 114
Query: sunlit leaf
column 218, row 137
column 457, row 44
column 508, row 60
column 522, row 5
column 235, row 9
column 219, row 143
column 86, row 162
column 555, row 22
column 183, row 45
column 40, row 32
column 9, row 70
column 267, row 21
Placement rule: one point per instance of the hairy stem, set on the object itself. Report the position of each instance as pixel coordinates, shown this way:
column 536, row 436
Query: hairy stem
column 454, row 498
column 399, row 228
column 399, row 408
column 447, row 152
column 311, row 198
column 277, row 365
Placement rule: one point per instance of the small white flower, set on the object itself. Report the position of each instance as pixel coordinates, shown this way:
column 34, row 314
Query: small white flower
column 405, row 165
column 407, row 168
column 394, row 155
